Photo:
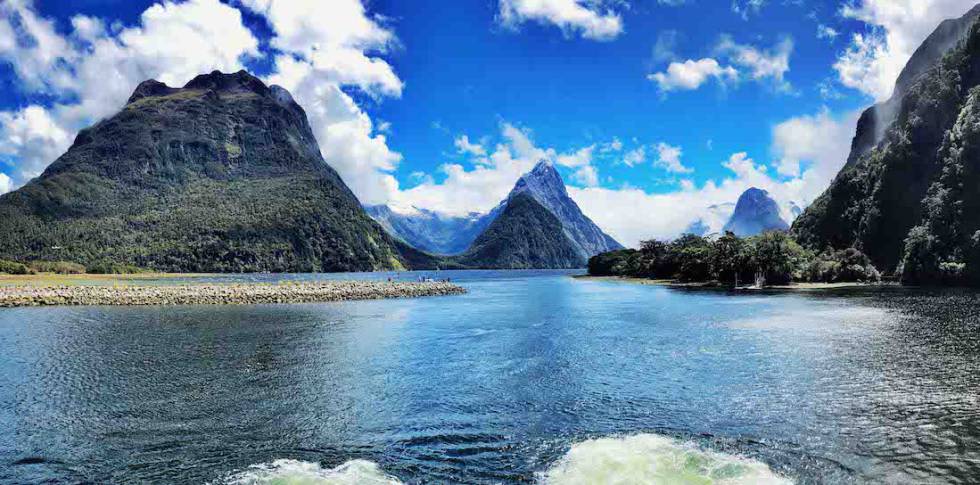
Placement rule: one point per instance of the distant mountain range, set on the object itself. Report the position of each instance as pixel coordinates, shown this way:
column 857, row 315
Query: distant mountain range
column 908, row 196
column 755, row 212
column 432, row 231
column 221, row 175
column 471, row 237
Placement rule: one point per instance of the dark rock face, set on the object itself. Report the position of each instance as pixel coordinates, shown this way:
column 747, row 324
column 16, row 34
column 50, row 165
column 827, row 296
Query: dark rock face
column 546, row 186
column 894, row 182
column 221, row 175
column 755, row 212
column 431, row 231
column 525, row 235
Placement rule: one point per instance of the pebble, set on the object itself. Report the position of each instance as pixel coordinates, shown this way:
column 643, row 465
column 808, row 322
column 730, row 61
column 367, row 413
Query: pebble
column 218, row 294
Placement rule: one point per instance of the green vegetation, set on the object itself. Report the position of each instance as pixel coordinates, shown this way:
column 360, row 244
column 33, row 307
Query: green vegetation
column 908, row 197
column 771, row 258
column 11, row 267
column 57, row 267
column 525, row 235
column 222, row 176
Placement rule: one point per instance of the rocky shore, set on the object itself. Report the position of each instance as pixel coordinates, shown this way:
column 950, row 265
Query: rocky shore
column 220, row 294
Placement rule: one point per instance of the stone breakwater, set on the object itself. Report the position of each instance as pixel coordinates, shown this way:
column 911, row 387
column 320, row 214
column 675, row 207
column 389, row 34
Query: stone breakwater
column 218, row 294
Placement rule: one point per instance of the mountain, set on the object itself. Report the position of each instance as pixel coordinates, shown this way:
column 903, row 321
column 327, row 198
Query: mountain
column 755, row 212
column 221, row 175
column 907, row 196
column 446, row 235
column 524, row 235
column 545, row 185
column 431, row 231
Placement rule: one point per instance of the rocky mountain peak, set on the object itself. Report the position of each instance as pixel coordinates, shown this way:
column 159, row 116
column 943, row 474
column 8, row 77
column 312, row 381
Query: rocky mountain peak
column 755, row 212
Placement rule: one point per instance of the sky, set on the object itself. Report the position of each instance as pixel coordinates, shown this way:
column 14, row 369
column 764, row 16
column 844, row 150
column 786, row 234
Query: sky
column 658, row 113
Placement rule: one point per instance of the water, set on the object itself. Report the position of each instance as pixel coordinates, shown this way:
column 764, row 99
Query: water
column 530, row 377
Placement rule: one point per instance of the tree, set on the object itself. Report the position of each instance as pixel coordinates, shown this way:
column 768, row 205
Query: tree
column 730, row 258
column 777, row 257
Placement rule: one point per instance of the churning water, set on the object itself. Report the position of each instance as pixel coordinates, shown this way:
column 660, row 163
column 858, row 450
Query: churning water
column 532, row 377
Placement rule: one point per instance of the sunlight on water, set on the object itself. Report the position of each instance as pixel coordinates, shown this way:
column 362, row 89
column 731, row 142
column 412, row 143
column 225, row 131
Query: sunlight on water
column 295, row 472
column 654, row 459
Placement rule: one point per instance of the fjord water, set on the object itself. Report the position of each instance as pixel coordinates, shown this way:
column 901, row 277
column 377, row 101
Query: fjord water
column 530, row 377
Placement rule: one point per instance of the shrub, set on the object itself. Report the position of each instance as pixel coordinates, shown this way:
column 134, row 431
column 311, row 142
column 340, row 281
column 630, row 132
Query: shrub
column 105, row 267
column 12, row 267
column 847, row 265
column 57, row 267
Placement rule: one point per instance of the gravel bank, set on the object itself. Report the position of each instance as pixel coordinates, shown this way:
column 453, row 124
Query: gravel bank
column 217, row 294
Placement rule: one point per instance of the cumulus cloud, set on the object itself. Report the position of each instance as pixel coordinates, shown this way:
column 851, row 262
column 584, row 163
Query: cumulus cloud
column 826, row 32
column 635, row 156
column 464, row 146
column 808, row 150
column 760, row 64
column 669, row 158
column 821, row 140
column 743, row 8
column 691, row 74
column 753, row 63
column 6, row 184
column 590, row 19
column 874, row 59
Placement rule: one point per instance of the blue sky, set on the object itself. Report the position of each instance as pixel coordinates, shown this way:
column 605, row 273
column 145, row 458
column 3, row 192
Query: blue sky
column 657, row 112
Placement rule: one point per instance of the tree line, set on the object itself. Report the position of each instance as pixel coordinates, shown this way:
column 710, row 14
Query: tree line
column 771, row 258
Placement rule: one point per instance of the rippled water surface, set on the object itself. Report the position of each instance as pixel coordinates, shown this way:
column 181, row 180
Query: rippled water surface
column 530, row 377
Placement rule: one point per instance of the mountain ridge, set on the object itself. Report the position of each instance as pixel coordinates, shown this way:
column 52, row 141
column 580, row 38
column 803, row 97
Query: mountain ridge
column 900, row 198
column 221, row 175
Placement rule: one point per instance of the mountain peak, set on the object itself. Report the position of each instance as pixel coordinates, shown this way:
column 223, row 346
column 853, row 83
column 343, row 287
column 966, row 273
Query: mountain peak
column 214, row 81
column 755, row 212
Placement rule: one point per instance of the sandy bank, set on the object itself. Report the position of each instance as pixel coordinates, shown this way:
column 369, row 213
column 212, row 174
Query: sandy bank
column 220, row 294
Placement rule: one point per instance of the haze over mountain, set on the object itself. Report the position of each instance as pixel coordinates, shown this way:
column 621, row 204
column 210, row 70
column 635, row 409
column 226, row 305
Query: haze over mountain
column 755, row 212
column 221, row 175
column 431, row 231
column 908, row 195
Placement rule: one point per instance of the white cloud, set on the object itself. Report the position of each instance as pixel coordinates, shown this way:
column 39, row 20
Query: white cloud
column 669, row 158
column 760, row 64
column 873, row 60
column 579, row 158
column 589, row 18
column 820, row 140
column 482, row 184
column 826, row 32
column 810, row 151
column 464, row 146
column 6, row 184
column 587, row 176
column 756, row 64
column 743, row 8
column 691, row 74
column 635, row 156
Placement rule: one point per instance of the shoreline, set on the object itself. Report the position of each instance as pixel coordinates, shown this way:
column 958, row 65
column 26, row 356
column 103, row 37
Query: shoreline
column 716, row 286
column 218, row 294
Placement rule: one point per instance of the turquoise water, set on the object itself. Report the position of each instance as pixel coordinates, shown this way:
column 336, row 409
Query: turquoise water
column 530, row 377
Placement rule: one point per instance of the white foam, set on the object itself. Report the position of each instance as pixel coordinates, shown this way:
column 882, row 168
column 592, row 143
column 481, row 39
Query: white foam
column 295, row 472
column 654, row 459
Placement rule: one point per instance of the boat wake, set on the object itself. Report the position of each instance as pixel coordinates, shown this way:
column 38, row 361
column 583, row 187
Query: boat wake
column 295, row 472
column 651, row 458
column 635, row 459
